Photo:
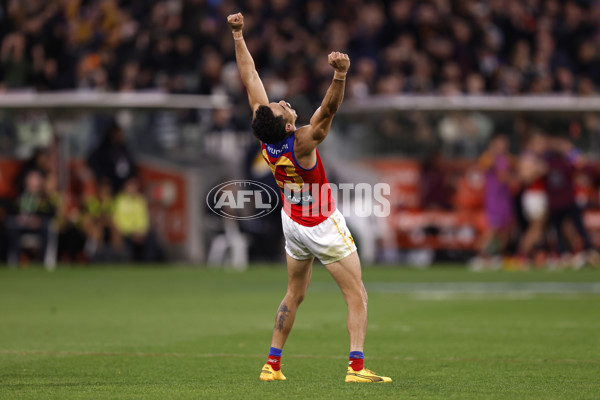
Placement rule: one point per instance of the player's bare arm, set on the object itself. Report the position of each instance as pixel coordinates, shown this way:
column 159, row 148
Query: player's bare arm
column 308, row 137
column 256, row 91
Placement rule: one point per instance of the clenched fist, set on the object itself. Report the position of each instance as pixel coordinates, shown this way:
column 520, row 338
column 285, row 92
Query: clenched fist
column 236, row 22
column 339, row 61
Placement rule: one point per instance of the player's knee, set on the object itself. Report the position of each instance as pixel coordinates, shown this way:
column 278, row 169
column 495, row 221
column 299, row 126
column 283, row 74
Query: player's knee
column 357, row 297
column 364, row 298
column 295, row 297
column 365, row 295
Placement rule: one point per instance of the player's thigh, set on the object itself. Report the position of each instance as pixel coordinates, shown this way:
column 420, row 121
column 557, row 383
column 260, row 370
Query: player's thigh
column 347, row 273
column 299, row 274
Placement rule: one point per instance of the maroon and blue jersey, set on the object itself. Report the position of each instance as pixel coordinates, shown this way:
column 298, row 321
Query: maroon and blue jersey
column 305, row 192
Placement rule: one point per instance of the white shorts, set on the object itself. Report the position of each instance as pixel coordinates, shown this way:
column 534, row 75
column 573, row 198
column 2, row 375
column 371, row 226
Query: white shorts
column 330, row 241
column 535, row 204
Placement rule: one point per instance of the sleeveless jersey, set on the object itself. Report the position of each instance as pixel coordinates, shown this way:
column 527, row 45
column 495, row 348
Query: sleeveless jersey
column 305, row 192
column 539, row 184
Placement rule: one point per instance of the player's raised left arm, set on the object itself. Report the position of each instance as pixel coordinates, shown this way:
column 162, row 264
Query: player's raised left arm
column 256, row 92
column 320, row 122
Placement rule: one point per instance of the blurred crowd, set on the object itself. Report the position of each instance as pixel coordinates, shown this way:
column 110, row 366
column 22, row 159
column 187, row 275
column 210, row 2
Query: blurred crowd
column 439, row 47
column 401, row 46
column 107, row 221
column 532, row 205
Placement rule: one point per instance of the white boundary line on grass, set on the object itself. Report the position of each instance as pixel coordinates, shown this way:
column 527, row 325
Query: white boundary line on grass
column 327, row 357
column 479, row 288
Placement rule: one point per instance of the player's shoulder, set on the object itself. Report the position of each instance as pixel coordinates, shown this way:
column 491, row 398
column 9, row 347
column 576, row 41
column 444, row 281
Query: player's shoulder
column 303, row 141
column 303, row 133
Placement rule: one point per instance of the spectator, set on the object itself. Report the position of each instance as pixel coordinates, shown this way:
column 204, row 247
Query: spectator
column 131, row 219
column 495, row 46
column 103, row 240
column 70, row 236
column 112, row 160
column 13, row 63
column 435, row 190
column 39, row 162
column 35, row 212
column 464, row 134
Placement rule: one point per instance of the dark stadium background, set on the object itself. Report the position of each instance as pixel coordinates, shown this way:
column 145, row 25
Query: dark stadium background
column 431, row 84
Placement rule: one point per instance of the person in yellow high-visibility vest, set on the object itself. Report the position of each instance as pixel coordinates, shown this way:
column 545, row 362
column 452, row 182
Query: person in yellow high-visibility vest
column 132, row 220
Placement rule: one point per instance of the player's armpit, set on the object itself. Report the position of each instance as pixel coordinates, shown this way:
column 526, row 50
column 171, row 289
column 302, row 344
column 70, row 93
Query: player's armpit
column 309, row 136
column 305, row 146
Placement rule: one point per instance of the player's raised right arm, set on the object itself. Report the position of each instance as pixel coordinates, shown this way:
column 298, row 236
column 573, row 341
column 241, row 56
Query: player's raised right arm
column 256, row 91
column 321, row 120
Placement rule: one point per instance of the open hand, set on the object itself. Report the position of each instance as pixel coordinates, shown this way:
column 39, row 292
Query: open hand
column 236, row 21
column 339, row 61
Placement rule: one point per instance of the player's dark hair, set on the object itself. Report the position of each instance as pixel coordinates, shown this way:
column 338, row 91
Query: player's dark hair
column 267, row 127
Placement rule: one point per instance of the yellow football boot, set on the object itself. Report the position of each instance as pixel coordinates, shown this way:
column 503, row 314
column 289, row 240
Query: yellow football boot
column 269, row 374
column 365, row 375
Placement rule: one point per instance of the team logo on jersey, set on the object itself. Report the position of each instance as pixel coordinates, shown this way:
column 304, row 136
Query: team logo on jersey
column 242, row 199
column 297, row 197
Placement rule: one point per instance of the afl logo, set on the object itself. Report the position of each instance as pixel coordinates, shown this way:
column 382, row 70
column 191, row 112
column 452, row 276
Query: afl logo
column 242, row 199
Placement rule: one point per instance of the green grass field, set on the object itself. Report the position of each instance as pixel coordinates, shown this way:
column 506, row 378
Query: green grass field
column 193, row 333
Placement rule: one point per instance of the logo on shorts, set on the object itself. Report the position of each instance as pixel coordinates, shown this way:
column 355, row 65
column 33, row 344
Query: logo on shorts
column 242, row 199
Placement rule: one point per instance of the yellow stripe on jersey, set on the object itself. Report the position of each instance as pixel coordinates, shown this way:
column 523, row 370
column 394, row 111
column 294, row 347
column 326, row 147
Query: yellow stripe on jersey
column 288, row 168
